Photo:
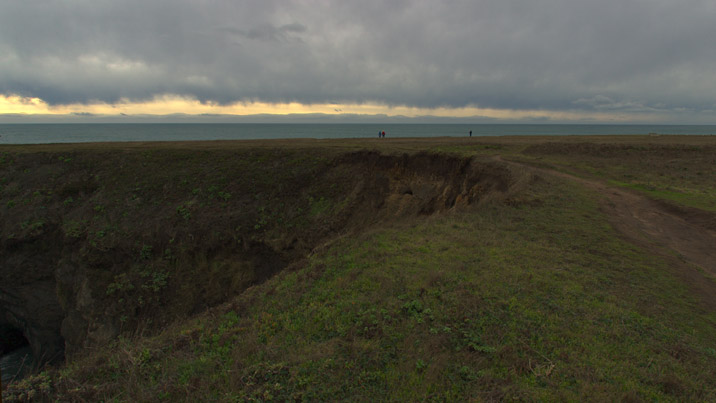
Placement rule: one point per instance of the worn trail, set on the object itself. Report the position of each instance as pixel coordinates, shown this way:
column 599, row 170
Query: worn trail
column 685, row 240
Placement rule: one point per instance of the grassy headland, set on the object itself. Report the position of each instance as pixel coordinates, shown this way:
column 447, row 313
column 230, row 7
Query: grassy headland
column 515, row 286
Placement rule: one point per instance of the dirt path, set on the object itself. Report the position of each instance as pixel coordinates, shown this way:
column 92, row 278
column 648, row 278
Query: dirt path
column 683, row 240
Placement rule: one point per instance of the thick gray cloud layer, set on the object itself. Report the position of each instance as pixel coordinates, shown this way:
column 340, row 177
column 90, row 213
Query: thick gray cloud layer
column 606, row 55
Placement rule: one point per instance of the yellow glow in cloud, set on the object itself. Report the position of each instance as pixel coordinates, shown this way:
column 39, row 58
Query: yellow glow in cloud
column 173, row 104
column 22, row 105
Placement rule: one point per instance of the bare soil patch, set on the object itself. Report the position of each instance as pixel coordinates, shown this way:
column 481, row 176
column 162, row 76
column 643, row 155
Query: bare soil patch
column 685, row 237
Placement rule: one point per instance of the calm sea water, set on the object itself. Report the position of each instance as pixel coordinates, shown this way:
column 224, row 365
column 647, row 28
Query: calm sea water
column 80, row 133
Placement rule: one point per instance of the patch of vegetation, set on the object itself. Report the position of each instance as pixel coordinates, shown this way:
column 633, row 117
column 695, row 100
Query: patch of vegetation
column 74, row 229
column 184, row 212
column 318, row 206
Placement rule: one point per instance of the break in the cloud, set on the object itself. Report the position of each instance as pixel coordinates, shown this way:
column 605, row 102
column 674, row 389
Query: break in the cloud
column 624, row 58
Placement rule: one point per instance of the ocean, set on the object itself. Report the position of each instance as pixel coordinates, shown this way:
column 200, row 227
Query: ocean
column 93, row 132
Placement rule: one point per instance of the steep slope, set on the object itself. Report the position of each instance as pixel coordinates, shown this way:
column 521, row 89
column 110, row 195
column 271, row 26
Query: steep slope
column 99, row 243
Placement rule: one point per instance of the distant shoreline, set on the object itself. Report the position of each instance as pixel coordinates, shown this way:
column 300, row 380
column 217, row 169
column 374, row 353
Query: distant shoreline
column 172, row 132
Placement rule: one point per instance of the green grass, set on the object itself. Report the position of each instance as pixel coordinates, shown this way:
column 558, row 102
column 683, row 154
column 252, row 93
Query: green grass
column 677, row 173
column 502, row 302
column 692, row 197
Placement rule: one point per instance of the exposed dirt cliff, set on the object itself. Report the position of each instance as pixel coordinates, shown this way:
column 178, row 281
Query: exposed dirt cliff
column 95, row 243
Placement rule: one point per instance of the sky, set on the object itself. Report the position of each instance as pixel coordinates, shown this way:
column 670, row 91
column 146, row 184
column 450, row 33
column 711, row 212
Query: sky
column 593, row 61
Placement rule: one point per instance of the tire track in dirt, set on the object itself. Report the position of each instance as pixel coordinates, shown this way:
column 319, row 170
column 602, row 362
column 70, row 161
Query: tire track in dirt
column 688, row 246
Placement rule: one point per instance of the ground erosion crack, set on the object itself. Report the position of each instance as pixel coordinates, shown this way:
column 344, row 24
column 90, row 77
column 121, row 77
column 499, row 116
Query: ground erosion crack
column 149, row 235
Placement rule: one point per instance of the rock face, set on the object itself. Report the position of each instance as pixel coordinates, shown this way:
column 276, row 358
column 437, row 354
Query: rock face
column 94, row 244
column 28, row 300
column 34, row 310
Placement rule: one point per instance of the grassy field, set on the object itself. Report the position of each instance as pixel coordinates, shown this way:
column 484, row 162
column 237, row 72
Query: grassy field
column 528, row 295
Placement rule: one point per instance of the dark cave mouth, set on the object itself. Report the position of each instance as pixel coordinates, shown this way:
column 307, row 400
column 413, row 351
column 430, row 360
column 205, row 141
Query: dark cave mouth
column 16, row 358
column 11, row 338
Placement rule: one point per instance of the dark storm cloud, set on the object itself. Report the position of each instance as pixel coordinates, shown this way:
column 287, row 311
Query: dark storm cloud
column 268, row 32
column 646, row 56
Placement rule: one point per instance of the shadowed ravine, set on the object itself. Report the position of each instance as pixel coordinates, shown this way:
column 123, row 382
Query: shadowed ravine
column 102, row 244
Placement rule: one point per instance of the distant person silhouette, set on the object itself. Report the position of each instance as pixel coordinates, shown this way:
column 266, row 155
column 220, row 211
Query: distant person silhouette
column 470, row 133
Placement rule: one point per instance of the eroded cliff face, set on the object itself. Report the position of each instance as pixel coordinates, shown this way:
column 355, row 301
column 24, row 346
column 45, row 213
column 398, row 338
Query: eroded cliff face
column 98, row 243
column 27, row 291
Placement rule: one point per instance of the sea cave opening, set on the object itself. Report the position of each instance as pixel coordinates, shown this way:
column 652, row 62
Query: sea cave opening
column 16, row 359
